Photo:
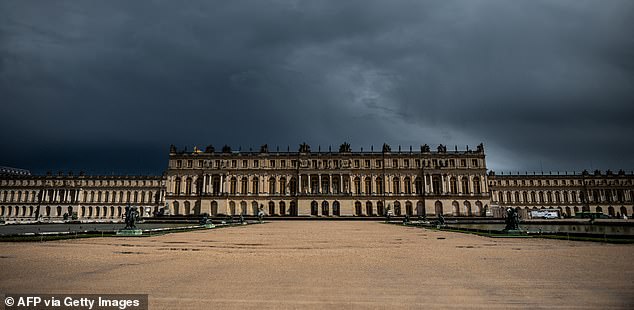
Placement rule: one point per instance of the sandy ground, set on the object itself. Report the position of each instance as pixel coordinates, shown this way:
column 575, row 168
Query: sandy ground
column 328, row 265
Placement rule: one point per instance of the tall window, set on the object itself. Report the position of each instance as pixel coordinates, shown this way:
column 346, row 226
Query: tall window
column 465, row 185
column 283, row 186
column 436, row 186
column 396, row 184
column 379, row 185
column 271, row 185
column 256, row 185
column 243, row 185
column 454, row 185
column 177, row 185
column 419, row 185
column 188, row 186
column 476, row 185
column 408, row 185
column 368, row 185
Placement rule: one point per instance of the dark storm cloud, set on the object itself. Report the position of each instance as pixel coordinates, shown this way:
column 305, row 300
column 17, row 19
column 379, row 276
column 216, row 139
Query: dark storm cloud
column 109, row 85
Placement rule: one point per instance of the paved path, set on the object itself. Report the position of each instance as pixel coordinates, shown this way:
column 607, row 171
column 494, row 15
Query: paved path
column 328, row 265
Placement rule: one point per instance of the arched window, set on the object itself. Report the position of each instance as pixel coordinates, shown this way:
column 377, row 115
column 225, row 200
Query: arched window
column 533, row 199
column 379, row 185
column 525, row 197
column 549, row 197
column 508, row 197
column 335, row 208
column 453, row 184
column 396, row 185
column 357, row 185
column 283, row 186
column 293, row 186
column 324, row 208
column 325, row 184
column 476, row 186
column 408, row 208
column 465, row 185
column 438, row 207
column 282, row 208
column 408, row 185
column 256, row 185
column 314, row 208
column 500, row 197
column 418, row 183
column 177, row 186
column 271, row 208
column 243, row 185
column 397, row 208
column 368, row 185
column 436, row 185
column 517, row 197
column 357, row 208
column 272, row 186
column 188, row 186
column 541, row 197
column 368, row 208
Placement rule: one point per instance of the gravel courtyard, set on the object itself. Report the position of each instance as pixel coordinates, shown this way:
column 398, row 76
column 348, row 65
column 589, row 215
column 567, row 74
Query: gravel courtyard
column 328, row 264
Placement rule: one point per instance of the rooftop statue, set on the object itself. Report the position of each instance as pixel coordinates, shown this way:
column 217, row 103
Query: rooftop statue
column 386, row 148
column 226, row 149
column 425, row 148
column 442, row 149
column 480, row 148
column 172, row 149
column 345, row 148
column 210, row 149
column 304, row 148
column 264, row 148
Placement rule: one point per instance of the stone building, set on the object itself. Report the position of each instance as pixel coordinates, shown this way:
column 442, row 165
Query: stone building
column 607, row 193
column 30, row 197
column 305, row 182
column 328, row 183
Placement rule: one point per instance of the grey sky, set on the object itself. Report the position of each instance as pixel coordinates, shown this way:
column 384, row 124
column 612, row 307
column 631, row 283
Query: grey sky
column 108, row 85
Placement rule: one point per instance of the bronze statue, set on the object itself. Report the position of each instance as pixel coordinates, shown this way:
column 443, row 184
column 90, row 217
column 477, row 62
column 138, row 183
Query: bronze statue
column 304, row 148
column 131, row 217
column 512, row 220
column 264, row 148
column 386, row 148
column 345, row 148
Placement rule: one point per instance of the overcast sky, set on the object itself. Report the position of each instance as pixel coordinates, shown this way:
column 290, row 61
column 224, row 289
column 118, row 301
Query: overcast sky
column 107, row 86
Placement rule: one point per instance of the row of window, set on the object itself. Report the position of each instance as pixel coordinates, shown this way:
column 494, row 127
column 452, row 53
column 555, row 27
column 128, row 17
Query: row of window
column 71, row 196
column 326, row 164
column 558, row 182
column 334, row 187
column 565, row 197
column 83, row 182
column 24, row 211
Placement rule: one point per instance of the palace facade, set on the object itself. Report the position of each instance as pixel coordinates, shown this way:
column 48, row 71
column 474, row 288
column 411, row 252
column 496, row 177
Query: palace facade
column 340, row 183
column 30, row 197
column 600, row 192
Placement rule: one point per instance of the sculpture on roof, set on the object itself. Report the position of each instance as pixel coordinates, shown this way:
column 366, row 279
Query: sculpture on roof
column 345, row 148
column 386, row 148
column 304, row 148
